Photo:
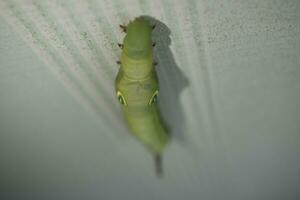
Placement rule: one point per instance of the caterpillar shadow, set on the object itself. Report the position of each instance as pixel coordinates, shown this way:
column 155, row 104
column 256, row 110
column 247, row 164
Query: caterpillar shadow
column 171, row 81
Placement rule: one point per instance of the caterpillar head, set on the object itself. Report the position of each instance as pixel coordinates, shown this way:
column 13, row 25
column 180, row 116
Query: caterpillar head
column 137, row 54
column 137, row 42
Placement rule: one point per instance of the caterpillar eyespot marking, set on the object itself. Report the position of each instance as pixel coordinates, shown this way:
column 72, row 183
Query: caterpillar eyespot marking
column 153, row 98
column 121, row 98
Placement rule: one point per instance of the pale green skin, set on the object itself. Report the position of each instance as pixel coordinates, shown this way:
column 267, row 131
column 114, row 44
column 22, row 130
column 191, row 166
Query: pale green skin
column 137, row 82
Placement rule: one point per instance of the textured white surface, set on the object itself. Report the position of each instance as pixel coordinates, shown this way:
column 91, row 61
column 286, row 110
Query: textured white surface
column 230, row 92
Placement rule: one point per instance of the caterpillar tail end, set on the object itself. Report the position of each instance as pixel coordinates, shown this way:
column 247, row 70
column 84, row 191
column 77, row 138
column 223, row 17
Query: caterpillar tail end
column 158, row 165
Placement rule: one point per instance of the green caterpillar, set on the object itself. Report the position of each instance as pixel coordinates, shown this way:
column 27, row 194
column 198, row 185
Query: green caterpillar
column 136, row 87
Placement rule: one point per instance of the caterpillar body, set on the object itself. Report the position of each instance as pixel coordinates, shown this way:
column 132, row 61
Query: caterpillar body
column 137, row 88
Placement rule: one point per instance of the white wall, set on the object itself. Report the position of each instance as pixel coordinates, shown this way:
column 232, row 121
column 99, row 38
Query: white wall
column 230, row 92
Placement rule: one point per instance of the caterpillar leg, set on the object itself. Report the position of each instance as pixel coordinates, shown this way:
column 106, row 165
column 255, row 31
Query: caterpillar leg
column 155, row 63
column 124, row 28
column 120, row 45
column 153, row 44
column 118, row 62
column 153, row 27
